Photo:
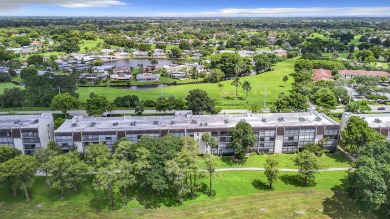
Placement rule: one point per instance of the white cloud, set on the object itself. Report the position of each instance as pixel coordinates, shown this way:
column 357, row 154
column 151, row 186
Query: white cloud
column 10, row 5
column 286, row 12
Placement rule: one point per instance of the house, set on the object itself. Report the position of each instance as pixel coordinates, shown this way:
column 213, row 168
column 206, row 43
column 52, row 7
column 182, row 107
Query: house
column 322, row 75
column 148, row 77
column 353, row 73
column 159, row 55
column 226, row 51
column 92, row 78
column 3, row 69
column 121, row 77
column 140, row 54
column 246, row 53
column 179, row 75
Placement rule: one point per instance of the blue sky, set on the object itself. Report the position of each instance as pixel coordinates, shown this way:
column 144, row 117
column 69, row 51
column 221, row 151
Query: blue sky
column 198, row 8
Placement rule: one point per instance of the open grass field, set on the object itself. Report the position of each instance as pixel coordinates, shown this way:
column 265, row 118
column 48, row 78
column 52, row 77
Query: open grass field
column 90, row 44
column 243, row 194
column 271, row 80
column 7, row 85
column 329, row 160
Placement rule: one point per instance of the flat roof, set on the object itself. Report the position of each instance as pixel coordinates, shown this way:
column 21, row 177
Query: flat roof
column 374, row 120
column 185, row 120
column 24, row 121
column 364, row 72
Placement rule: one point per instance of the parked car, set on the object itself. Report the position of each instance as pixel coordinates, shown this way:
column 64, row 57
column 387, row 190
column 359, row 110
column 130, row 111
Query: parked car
column 382, row 108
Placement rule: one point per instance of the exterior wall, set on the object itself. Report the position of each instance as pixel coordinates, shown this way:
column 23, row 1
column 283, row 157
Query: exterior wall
column 268, row 139
column 19, row 144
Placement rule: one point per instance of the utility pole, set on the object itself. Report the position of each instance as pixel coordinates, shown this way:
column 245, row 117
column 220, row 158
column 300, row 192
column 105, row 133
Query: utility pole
column 350, row 95
column 59, row 89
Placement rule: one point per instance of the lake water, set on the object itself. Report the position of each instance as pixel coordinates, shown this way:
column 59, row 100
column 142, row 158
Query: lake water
column 143, row 87
column 136, row 62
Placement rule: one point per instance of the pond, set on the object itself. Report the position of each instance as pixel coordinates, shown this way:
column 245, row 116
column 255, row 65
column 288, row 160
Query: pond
column 135, row 63
column 143, row 87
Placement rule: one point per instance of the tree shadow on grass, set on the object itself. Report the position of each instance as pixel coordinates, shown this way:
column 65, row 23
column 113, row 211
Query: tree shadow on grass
column 231, row 161
column 294, row 180
column 258, row 184
column 341, row 206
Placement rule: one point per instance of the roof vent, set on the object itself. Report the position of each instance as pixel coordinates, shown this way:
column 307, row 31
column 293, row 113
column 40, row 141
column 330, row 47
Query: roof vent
column 243, row 120
column 93, row 124
column 205, row 124
column 226, row 121
column 280, row 119
column 115, row 123
column 74, row 124
column 35, row 121
column 155, row 122
column 318, row 118
column 301, row 119
column 377, row 121
column 201, row 124
column 264, row 119
column 17, row 122
column 173, row 122
column 133, row 123
column 193, row 122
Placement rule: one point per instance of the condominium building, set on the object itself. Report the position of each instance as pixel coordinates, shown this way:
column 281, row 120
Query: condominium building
column 379, row 122
column 26, row 133
column 275, row 133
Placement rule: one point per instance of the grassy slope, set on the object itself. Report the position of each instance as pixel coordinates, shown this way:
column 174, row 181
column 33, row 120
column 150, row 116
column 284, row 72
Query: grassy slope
column 238, row 195
column 272, row 80
column 285, row 161
column 7, row 85
column 90, row 44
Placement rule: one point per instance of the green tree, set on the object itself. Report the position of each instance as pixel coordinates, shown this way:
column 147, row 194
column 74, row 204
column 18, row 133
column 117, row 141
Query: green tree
column 97, row 105
column 216, row 75
column 303, row 65
column 28, row 72
column 20, row 172
column 35, row 59
column 7, row 153
column 357, row 135
column 262, row 63
column 271, row 170
column 243, row 139
column 98, row 155
column 107, row 180
column 211, row 166
column 360, row 106
column 44, row 154
column 237, row 83
column 198, row 101
column 176, row 52
column 325, row 98
column 177, row 175
column 307, row 164
column 246, row 86
column 66, row 171
column 64, row 102
column 369, row 184
column 209, row 140
column 285, row 79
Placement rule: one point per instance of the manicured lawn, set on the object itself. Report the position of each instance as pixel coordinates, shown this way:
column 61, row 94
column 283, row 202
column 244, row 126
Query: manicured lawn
column 90, row 44
column 243, row 194
column 331, row 160
column 317, row 35
column 356, row 39
column 271, row 80
column 7, row 85
column 329, row 54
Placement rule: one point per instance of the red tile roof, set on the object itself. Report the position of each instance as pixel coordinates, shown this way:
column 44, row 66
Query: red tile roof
column 322, row 74
column 363, row 72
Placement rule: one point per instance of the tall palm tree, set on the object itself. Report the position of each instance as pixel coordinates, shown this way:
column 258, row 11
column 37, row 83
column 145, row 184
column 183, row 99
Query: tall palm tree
column 220, row 86
column 237, row 83
column 246, row 86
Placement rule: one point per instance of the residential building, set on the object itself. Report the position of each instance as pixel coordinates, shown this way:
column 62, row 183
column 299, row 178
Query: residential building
column 353, row 73
column 379, row 122
column 148, row 77
column 275, row 133
column 28, row 132
column 322, row 75
column 121, row 77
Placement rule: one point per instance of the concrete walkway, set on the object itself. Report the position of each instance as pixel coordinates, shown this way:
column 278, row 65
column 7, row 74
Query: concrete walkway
column 280, row 169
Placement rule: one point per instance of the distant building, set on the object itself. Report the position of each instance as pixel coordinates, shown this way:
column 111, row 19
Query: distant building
column 26, row 133
column 322, row 75
column 353, row 73
column 121, row 77
column 148, row 77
